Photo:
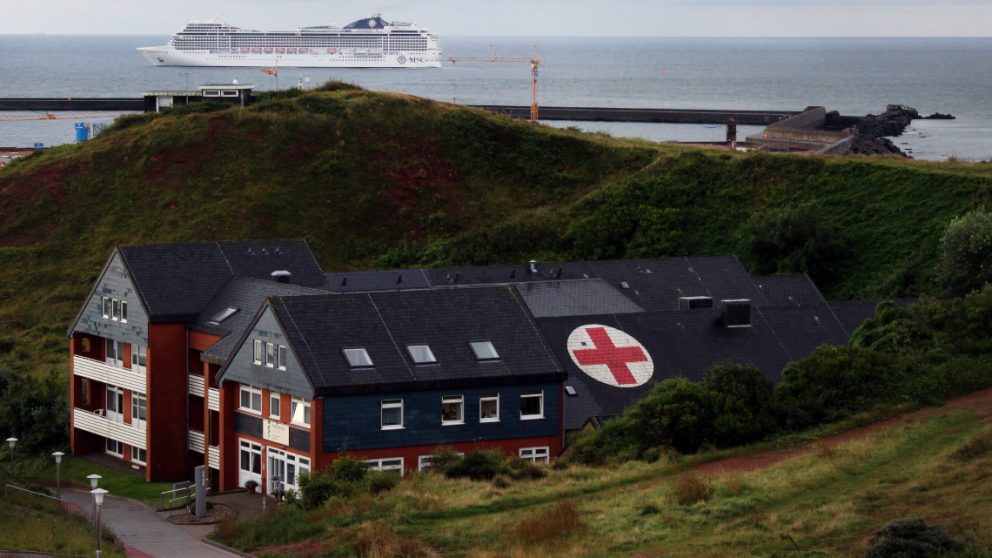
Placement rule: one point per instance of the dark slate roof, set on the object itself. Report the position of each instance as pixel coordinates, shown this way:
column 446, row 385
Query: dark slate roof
column 247, row 294
column 580, row 297
column 384, row 323
column 685, row 343
column 176, row 281
column 796, row 288
column 363, row 281
column 852, row 313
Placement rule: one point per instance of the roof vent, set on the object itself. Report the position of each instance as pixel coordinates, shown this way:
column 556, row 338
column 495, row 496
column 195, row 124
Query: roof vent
column 399, row 278
column 513, row 274
column 695, row 302
column 281, row 276
column 533, row 267
column 736, row 313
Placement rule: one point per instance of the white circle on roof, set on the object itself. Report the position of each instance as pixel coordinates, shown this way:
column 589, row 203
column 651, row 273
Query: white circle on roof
column 610, row 356
column 371, row 23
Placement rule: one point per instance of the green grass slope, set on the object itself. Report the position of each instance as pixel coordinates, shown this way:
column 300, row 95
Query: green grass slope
column 376, row 180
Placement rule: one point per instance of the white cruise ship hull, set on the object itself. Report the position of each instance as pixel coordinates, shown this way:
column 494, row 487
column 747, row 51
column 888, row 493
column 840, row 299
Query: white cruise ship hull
column 163, row 56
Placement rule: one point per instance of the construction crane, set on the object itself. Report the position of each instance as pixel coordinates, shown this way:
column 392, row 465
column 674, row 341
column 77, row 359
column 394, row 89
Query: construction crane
column 535, row 65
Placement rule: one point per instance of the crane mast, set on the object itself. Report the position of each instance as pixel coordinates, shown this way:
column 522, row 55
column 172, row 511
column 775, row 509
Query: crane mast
column 535, row 69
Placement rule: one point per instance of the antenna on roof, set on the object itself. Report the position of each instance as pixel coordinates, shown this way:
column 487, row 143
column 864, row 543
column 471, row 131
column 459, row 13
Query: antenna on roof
column 399, row 278
column 513, row 274
column 560, row 270
column 344, row 281
column 278, row 250
column 250, row 252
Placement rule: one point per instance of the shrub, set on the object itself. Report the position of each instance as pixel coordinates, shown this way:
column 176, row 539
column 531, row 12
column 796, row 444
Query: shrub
column 975, row 448
column 348, row 469
column 561, row 522
column 345, row 477
column 523, row 469
column 910, row 538
column 893, row 329
column 743, row 403
column 443, row 458
column 479, row 465
column 966, row 253
column 676, row 413
column 381, row 481
column 689, row 489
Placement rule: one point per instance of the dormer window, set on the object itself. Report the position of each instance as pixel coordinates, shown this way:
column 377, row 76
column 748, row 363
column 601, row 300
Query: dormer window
column 222, row 315
column 484, row 350
column 358, row 357
column 421, row 354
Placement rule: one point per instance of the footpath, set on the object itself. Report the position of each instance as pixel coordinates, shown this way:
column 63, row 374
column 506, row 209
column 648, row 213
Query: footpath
column 144, row 532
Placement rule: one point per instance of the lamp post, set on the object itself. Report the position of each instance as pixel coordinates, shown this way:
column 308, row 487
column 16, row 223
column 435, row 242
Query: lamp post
column 98, row 494
column 58, row 473
column 12, row 441
column 94, row 479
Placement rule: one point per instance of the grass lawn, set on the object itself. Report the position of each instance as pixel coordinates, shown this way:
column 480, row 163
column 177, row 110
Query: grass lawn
column 119, row 483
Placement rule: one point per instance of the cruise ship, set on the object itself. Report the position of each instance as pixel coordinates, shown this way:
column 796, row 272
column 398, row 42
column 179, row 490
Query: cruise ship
column 367, row 43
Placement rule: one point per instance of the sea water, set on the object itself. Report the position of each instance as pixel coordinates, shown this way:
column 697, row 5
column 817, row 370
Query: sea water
column 853, row 76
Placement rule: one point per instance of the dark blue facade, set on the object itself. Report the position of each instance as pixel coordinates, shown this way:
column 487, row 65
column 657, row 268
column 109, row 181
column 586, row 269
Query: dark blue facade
column 353, row 423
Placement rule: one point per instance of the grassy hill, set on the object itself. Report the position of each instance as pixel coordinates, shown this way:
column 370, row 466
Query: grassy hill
column 375, row 180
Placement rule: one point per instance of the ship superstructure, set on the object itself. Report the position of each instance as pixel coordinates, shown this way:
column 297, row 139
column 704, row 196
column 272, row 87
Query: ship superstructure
column 366, row 43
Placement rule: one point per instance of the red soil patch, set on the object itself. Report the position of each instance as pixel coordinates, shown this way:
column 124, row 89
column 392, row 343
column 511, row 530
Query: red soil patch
column 171, row 168
column 419, row 178
column 18, row 193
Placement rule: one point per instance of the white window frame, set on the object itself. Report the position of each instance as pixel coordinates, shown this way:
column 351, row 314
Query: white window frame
column 540, row 454
column 424, row 461
column 252, row 391
column 528, row 395
column 115, row 310
column 379, row 464
column 105, row 307
column 363, row 351
column 472, row 345
column 117, row 414
column 139, row 358
column 307, row 417
column 136, row 407
column 453, row 400
column 270, row 355
column 282, row 355
column 278, row 400
column 254, row 452
column 256, row 355
column 486, row 398
column 425, row 349
column 136, row 455
column 120, row 446
column 391, row 404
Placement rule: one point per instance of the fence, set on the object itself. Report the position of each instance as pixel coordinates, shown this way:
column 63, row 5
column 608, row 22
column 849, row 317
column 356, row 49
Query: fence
column 32, row 499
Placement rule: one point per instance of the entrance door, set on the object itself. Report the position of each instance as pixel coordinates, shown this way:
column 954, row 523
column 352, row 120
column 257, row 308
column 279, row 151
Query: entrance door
column 276, row 471
column 250, row 464
column 288, row 467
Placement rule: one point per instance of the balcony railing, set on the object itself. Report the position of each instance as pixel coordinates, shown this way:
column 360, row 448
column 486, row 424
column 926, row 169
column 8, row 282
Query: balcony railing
column 213, row 399
column 196, row 441
column 196, row 385
column 108, row 374
column 102, row 426
column 213, row 457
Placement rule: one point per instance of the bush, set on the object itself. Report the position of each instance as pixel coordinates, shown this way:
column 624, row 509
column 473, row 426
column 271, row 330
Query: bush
column 911, row 538
column 345, row 477
column 378, row 482
column 562, row 522
column 479, row 465
column 966, row 253
column 523, row 469
column 676, row 413
column 743, row 403
column 689, row 489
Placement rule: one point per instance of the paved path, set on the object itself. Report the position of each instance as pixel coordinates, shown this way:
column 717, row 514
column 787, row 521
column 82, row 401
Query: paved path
column 143, row 531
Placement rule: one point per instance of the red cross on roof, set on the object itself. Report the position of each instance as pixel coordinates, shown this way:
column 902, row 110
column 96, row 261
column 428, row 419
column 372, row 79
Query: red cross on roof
column 615, row 358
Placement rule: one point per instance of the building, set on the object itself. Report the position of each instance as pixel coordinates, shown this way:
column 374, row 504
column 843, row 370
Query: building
column 248, row 358
column 230, row 93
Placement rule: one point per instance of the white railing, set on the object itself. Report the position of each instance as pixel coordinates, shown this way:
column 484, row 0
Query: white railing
column 213, row 457
column 102, row 426
column 108, row 374
column 196, row 384
column 213, row 399
column 196, row 441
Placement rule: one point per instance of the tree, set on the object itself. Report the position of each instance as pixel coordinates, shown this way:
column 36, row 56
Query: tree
column 743, row 403
column 966, row 253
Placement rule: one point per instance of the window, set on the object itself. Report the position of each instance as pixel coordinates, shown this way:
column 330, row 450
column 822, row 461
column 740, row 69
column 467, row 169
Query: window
column 357, row 358
column 425, row 462
column 274, row 402
column 484, row 350
column 270, row 355
column 532, row 405
column 251, row 458
column 106, row 307
column 139, row 456
column 139, row 409
column 534, row 455
column 283, row 354
column 124, row 311
column 115, row 403
column 570, row 391
column 139, row 358
column 115, row 448
column 222, row 315
column 421, row 354
column 251, row 399
column 300, row 412
column 392, row 414
column 489, row 408
column 116, row 310
column 453, row 409
column 388, row 464
column 257, row 352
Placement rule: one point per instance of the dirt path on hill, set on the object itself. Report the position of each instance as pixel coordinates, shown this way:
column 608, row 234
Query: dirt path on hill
column 979, row 402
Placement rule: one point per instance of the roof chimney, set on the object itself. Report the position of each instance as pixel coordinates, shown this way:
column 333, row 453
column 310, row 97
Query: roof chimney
column 695, row 302
column 533, row 266
column 281, row 276
column 736, row 313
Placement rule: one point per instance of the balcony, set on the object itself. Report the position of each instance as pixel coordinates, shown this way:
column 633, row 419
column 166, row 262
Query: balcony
column 105, row 373
column 213, row 457
column 196, row 384
column 196, row 441
column 102, row 426
column 213, row 399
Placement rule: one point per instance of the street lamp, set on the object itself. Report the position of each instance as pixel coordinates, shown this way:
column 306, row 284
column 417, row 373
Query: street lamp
column 12, row 442
column 94, row 479
column 98, row 494
column 58, row 473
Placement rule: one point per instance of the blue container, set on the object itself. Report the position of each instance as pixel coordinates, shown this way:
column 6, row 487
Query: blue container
column 82, row 131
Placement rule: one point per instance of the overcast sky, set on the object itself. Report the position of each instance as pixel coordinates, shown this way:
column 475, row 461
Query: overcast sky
column 664, row 18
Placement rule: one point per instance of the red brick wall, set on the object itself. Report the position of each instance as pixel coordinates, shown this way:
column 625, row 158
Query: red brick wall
column 167, row 400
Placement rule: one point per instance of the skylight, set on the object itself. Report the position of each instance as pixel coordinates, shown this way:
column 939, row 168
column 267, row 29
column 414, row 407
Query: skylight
column 484, row 350
column 357, row 358
column 223, row 315
column 421, row 354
